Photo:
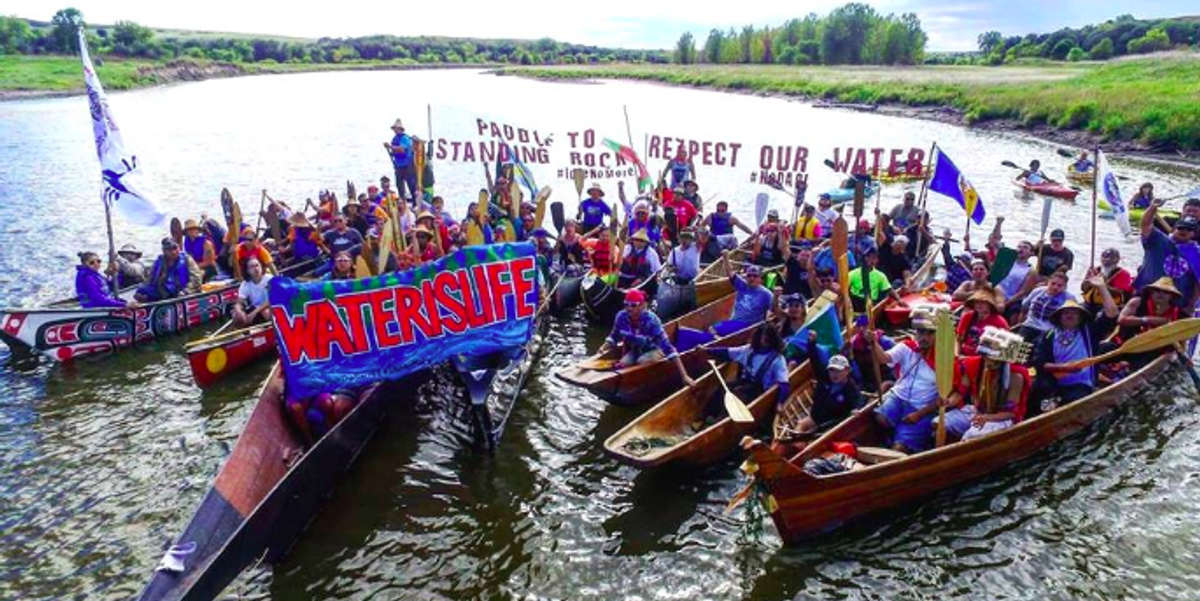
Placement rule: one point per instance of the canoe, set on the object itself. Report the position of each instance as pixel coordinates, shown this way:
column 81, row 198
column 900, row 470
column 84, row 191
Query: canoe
column 213, row 358
column 640, row 384
column 267, row 491
column 899, row 178
column 897, row 316
column 568, row 293
column 494, row 383
column 803, row 505
column 1135, row 215
column 65, row 331
column 667, row 434
column 1087, row 178
column 601, row 299
column 674, row 299
column 844, row 195
column 1048, row 189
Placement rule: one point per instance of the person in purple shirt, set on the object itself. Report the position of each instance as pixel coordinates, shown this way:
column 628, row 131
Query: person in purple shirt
column 639, row 335
column 593, row 209
column 753, row 301
column 90, row 285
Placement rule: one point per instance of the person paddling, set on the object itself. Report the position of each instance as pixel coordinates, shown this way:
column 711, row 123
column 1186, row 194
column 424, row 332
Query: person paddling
column 760, row 366
column 640, row 337
column 639, row 262
column 1157, row 305
column 90, row 286
column 1033, row 175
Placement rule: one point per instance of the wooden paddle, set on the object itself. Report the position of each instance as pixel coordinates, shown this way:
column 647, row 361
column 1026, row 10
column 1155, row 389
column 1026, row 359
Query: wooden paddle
column 487, row 173
column 419, row 163
column 1150, row 340
column 485, row 199
column 237, row 236
column 361, row 269
column 515, row 197
column 944, row 359
column 539, row 214
column 597, row 364
column 177, row 231
column 557, row 216
column 760, row 207
column 578, row 175
column 733, row 405
column 839, row 244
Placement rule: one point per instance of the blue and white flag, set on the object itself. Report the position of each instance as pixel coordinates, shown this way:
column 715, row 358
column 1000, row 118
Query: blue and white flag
column 124, row 184
column 949, row 181
column 1107, row 180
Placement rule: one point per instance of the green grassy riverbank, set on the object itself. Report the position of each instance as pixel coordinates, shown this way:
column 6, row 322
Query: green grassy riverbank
column 1154, row 101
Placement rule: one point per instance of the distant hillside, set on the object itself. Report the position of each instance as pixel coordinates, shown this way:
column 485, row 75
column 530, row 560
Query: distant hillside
column 1117, row 37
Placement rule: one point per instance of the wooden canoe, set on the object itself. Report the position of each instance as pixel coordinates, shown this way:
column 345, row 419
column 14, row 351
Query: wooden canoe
column 65, row 331
column 640, row 384
column 213, row 358
column 803, row 505
column 267, row 491
column 713, row 282
column 666, row 434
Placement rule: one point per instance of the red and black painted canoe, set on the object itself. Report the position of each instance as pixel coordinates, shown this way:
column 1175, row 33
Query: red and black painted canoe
column 215, row 357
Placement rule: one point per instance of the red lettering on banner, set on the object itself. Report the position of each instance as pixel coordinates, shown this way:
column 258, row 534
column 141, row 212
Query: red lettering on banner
column 653, row 150
column 572, row 135
column 474, row 314
column 499, row 289
column 875, row 154
column 892, row 157
column 434, row 329
column 482, row 126
column 299, row 334
column 407, row 305
column 523, row 273
column 382, row 316
column 860, row 162
column 455, row 321
column 352, row 304
column 485, row 294
column 916, row 157
column 736, row 146
column 331, row 330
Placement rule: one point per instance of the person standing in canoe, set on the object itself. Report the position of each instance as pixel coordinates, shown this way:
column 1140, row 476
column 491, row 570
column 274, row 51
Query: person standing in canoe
column 752, row 302
column 197, row 245
column 90, row 286
column 639, row 262
column 1019, row 281
column 640, row 337
column 1056, row 257
column 684, row 260
column 1040, row 305
column 174, row 274
column 984, row 307
column 1074, row 335
column 760, row 366
column 128, row 267
column 681, row 168
column 685, row 213
column 401, row 150
column 571, row 254
column 691, row 193
column 1119, row 280
column 721, row 224
column 593, row 210
column 252, row 305
column 909, row 406
column 825, row 214
column 1176, row 256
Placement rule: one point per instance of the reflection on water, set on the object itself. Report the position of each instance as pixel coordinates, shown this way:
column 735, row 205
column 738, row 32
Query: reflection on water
column 105, row 461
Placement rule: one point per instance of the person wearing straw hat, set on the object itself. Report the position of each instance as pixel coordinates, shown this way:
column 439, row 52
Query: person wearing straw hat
column 984, row 309
column 1074, row 335
column 303, row 241
column 435, row 225
column 643, row 222
column 425, row 249
column 593, row 209
column 128, row 267
column 910, row 405
column 1155, row 305
column 640, row 337
column 197, row 245
column 639, row 262
column 401, row 151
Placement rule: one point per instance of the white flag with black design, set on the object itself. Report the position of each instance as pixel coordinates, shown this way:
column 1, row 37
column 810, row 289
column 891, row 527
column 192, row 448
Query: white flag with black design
column 1107, row 180
column 124, row 183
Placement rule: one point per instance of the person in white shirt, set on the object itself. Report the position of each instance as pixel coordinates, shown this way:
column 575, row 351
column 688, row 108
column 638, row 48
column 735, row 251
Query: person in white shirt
column 252, row 305
column 826, row 215
column 909, row 407
column 684, row 260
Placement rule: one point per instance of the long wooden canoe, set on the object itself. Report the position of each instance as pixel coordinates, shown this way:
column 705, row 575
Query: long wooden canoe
column 803, row 505
column 640, row 384
column 667, row 433
column 213, row 358
column 65, row 331
column 267, row 491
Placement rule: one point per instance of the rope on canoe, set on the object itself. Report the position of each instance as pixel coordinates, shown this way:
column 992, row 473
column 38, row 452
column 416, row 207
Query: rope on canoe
column 643, row 445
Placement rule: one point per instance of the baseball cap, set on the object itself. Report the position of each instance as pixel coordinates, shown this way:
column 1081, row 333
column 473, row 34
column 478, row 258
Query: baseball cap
column 1057, row 235
column 839, row 363
column 1187, row 222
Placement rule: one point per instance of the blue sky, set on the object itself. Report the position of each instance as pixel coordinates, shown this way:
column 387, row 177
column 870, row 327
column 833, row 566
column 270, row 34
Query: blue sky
column 952, row 25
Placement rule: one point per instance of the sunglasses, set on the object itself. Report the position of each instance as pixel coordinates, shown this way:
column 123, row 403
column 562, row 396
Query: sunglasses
column 631, row 305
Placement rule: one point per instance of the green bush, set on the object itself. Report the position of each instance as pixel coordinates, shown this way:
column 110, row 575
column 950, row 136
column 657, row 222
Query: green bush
column 1076, row 54
column 1102, row 50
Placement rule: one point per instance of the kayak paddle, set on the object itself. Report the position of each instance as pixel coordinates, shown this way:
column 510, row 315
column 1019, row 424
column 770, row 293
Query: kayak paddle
column 1150, row 340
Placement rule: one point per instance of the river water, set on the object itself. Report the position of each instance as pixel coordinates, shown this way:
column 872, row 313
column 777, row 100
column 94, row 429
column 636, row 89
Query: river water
column 104, row 461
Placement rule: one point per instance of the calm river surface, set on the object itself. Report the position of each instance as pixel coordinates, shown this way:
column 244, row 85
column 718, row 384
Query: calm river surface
column 101, row 463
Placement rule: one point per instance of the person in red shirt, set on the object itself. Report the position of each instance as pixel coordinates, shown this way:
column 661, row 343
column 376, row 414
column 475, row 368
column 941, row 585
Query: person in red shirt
column 685, row 213
column 250, row 247
column 984, row 310
column 433, row 224
column 1119, row 280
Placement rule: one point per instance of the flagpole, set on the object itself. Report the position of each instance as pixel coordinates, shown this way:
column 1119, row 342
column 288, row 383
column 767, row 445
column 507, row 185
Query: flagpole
column 922, row 201
column 112, row 246
column 1095, row 196
column 628, row 131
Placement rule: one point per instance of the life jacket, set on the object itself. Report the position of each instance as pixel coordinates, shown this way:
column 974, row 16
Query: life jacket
column 602, row 256
column 721, row 224
column 967, row 383
column 634, row 267
column 195, row 247
column 1093, row 297
column 169, row 282
column 806, row 229
column 1146, row 308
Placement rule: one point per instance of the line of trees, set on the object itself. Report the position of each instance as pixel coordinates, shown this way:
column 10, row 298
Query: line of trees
column 854, row 34
column 130, row 39
column 1121, row 36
